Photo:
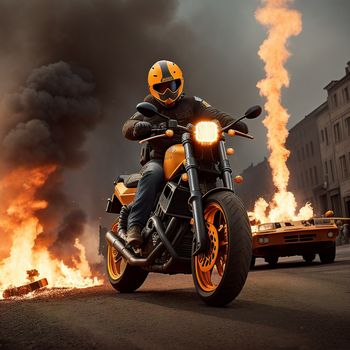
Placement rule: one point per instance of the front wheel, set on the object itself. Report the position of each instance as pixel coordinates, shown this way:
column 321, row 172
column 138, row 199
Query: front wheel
column 220, row 273
column 327, row 255
column 272, row 260
column 309, row 258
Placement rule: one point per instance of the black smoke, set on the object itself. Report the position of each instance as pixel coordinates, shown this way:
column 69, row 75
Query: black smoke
column 47, row 120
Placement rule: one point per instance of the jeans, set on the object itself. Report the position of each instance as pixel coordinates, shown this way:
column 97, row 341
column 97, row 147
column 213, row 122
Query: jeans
column 148, row 187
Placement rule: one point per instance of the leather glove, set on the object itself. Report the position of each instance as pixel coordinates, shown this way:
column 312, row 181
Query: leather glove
column 142, row 130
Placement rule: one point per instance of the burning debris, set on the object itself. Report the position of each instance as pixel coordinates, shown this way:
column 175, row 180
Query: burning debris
column 282, row 23
column 26, row 288
column 42, row 135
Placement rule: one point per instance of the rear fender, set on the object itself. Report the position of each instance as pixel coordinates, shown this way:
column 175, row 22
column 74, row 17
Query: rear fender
column 125, row 194
column 122, row 196
column 113, row 205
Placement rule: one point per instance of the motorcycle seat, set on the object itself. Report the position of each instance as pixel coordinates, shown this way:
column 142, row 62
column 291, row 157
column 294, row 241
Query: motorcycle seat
column 130, row 181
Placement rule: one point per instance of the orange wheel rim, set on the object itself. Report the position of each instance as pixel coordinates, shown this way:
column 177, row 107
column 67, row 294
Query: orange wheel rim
column 116, row 263
column 210, row 266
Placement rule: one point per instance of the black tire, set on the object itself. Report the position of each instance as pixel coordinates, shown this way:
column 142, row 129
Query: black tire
column 252, row 262
column 309, row 258
column 237, row 251
column 272, row 260
column 127, row 278
column 327, row 255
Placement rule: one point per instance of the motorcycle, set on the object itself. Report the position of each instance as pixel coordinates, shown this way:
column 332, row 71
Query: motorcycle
column 198, row 225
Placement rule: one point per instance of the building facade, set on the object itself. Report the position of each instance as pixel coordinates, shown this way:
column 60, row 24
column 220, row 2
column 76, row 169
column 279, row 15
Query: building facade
column 334, row 134
column 319, row 161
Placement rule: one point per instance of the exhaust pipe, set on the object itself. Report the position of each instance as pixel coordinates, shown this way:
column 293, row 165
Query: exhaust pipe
column 128, row 255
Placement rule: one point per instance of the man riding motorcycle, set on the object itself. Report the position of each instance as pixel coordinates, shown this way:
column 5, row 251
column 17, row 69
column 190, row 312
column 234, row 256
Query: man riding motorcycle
column 166, row 83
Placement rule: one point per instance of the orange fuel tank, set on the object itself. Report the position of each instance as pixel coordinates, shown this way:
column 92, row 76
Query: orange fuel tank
column 173, row 160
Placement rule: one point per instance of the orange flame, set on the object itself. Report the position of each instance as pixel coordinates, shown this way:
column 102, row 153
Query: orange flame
column 282, row 23
column 18, row 221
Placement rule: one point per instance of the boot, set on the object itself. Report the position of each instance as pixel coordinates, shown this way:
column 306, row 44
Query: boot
column 133, row 236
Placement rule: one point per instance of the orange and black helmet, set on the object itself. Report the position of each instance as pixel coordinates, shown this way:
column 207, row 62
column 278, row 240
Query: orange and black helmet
column 165, row 82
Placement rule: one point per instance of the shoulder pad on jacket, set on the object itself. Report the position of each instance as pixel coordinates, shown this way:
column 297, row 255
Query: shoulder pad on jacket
column 148, row 98
column 198, row 99
column 136, row 116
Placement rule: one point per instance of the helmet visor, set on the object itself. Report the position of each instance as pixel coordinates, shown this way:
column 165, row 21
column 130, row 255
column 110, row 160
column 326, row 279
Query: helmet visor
column 172, row 85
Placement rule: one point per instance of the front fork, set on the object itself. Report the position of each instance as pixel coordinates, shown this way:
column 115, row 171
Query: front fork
column 226, row 170
column 195, row 200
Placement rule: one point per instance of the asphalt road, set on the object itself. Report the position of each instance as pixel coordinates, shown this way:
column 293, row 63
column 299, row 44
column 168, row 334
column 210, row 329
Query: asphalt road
column 293, row 306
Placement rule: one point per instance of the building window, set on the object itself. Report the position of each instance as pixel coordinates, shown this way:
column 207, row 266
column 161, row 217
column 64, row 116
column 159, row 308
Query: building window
column 346, row 94
column 322, row 135
column 307, row 178
column 315, row 175
column 332, row 170
column 335, row 101
column 307, row 150
column 302, row 180
column 337, row 134
column 312, row 148
column 303, row 152
column 298, row 152
column 347, row 123
column 343, row 167
column 326, row 136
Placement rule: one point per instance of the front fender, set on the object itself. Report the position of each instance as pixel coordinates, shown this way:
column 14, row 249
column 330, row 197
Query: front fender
column 214, row 190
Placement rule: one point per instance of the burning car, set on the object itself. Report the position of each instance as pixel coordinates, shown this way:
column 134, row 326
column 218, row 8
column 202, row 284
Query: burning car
column 306, row 238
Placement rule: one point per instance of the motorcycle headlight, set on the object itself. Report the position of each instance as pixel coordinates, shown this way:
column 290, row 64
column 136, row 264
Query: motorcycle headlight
column 206, row 132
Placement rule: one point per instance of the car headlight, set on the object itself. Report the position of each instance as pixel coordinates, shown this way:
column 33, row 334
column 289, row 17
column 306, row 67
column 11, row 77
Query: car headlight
column 206, row 132
column 263, row 240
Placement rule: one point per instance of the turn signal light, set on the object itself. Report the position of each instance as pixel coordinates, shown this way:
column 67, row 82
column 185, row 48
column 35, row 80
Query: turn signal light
column 184, row 177
column 230, row 151
column 238, row 179
column 231, row 132
column 169, row 133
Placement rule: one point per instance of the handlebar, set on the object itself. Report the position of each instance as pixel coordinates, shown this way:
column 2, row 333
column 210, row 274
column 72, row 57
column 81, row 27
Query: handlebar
column 169, row 132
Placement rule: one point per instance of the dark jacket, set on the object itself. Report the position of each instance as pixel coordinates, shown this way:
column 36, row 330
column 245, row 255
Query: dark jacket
column 186, row 110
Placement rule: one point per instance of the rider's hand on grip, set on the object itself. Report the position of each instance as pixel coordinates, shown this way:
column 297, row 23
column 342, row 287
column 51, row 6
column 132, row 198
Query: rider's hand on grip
column 142, row 130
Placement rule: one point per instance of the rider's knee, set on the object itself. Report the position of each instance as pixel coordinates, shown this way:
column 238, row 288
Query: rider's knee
column 154, row 171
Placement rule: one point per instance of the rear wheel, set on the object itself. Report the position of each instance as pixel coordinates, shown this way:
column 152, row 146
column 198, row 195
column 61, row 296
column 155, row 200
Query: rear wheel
column 327, row 255
column 220, row 273
column 121, row 275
